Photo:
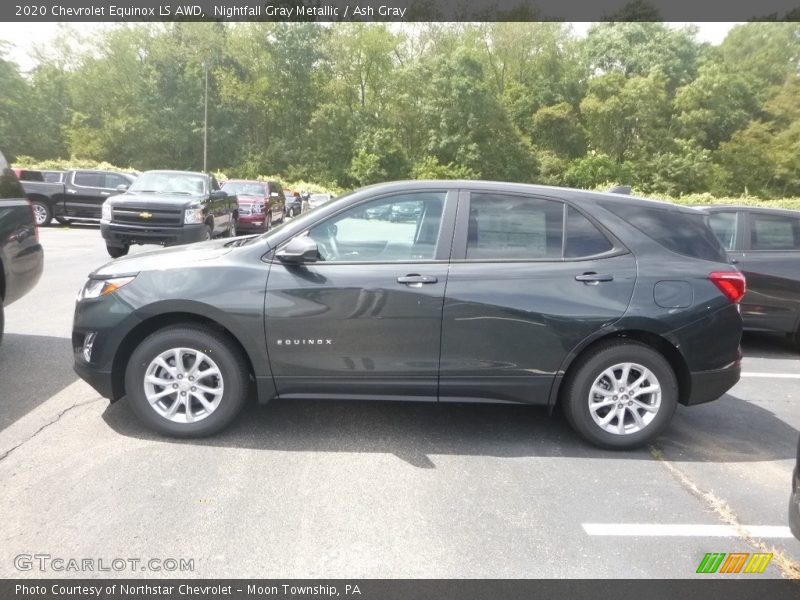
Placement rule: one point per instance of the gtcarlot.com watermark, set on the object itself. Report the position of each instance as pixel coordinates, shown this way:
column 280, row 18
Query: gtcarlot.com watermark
column 48, row 563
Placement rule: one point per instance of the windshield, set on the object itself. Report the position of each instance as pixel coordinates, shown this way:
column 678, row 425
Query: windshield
column 160, row 182
column 245, row 189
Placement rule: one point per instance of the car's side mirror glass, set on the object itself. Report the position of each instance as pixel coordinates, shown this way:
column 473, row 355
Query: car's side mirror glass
column 122, row 188
column 301, row 249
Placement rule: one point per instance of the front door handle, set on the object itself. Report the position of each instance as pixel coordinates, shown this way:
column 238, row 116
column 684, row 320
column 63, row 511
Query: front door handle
column 594, row 277
column 417, row 280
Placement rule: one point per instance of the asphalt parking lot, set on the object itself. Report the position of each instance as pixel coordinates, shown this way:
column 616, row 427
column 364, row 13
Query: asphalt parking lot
column 343, row 489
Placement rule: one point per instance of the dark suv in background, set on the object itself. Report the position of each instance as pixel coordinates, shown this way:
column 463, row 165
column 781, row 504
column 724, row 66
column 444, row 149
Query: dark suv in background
column 261, row 203
column 21, row 255
column 765, row 244
column 616, row 308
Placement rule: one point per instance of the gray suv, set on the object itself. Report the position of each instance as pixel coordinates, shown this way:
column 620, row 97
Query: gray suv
column 614, row 308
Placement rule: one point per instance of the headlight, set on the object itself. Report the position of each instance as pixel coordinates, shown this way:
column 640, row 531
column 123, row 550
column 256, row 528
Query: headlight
column 105, row 212
column 193, row 215
column 95, row 288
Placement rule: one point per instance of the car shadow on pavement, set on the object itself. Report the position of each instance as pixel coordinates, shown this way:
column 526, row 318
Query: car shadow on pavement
column 32, row 369
column 728, row 430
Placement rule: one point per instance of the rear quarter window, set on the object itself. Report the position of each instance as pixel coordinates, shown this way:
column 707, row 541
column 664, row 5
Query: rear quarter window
column 774, row 232
column 683, row 232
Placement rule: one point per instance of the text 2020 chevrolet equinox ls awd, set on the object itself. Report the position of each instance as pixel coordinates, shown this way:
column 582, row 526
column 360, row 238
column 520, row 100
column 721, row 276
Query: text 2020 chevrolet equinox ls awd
column 616, row 308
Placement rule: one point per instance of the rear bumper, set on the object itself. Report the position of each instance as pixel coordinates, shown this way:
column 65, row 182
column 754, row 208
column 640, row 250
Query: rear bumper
column 125, row 235
column 710, row 385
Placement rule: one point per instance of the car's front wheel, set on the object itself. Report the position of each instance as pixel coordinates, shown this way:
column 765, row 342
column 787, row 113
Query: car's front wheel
column 186, row 381
column 621, row 395
column 117, row 251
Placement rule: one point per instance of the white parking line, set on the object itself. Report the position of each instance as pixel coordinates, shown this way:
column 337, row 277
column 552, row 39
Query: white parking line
column 684, row 530
column 775, row 375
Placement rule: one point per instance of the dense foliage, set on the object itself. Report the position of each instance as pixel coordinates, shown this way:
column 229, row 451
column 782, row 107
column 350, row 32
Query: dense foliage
column 353, row 104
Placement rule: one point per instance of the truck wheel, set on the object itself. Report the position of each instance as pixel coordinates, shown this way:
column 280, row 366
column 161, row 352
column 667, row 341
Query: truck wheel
column 231, row 231
column 117, row 251
column 41, row 213
column 621, row 395
column 186, row 381
column 209, row 233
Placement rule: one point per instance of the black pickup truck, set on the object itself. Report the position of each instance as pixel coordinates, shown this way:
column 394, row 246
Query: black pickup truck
column 78, row 196
column 168, row 208
column 21, row 255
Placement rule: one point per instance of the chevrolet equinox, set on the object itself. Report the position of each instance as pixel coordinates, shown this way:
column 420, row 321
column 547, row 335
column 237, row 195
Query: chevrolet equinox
column 616, row 308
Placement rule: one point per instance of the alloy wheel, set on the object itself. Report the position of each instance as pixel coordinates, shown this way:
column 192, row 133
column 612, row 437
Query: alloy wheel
column 183, row 385
column 625, row 398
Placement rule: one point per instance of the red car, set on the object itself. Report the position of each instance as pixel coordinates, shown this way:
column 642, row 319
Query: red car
column 260, row 203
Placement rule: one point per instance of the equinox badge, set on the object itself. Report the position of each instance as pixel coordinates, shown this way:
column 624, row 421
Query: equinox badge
column 324, row 342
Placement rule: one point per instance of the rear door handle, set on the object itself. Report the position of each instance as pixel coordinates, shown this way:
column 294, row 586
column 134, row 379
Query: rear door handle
column 594, row 277
column 417, row 280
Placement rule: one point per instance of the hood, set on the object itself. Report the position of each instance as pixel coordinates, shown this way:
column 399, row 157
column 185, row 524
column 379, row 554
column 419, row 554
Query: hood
column 173, row 200
column 165, row 258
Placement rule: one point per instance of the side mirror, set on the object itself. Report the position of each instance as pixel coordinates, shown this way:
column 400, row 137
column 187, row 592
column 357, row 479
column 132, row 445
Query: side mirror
column 122, row 188
column 218, row 194
column 301, row 249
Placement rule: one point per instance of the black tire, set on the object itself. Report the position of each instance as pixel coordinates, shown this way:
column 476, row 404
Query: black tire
column 117, row 251
column 230, row 232
column 228, row 358
column 268, row 222
column 209, row 235
column 2, row 320
column 291, row 212
column 42, row 213
column 590, row 366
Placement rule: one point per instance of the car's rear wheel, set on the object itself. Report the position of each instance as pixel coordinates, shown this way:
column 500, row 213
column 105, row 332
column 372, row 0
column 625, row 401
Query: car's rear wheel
column 208, row 234
column 621, row 395
column 41, row 213
column 117, row 251
column 186, row 381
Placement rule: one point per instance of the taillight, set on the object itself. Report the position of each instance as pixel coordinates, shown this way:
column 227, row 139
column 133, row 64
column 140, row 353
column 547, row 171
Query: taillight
column 730, row 283
column 33, row 219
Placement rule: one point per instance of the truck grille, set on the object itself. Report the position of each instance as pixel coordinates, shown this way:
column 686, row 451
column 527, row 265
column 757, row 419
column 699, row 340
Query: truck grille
column 147, row 215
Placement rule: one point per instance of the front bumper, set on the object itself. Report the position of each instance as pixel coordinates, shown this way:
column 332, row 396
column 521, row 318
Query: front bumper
column 256, row 222
column 710, row 385
column 100, row 380
column 125, row 235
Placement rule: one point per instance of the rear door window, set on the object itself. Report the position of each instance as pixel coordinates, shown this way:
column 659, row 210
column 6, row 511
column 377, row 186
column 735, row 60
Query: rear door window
column 723, row 224
column 681, row 231
column 514, row 227
column 583, row 237
column 95, row 180
column 774, row 232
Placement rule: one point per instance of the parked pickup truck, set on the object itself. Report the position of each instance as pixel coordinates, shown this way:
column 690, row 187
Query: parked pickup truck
column 168, row 208
column 78, row 196
column 21, row 255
